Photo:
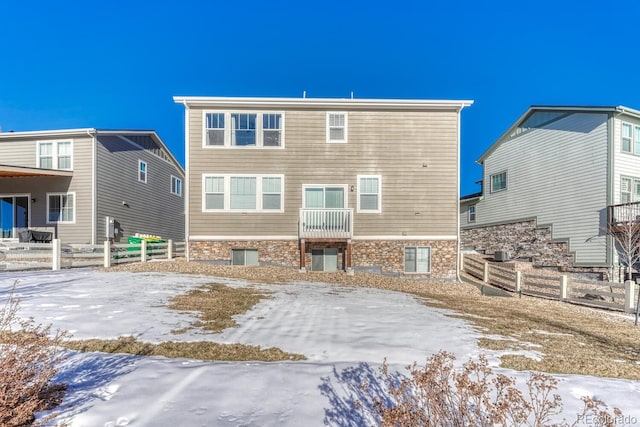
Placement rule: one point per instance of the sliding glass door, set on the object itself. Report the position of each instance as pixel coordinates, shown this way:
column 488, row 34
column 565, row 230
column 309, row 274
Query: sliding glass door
column 14, row 215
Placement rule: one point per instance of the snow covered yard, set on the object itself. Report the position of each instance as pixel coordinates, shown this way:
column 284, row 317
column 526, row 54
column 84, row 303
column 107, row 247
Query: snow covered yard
column 345, row 333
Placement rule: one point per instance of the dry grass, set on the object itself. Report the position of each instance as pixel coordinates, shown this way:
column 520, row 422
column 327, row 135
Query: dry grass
column 202, row 350
column 217, row 304
column 571, row 339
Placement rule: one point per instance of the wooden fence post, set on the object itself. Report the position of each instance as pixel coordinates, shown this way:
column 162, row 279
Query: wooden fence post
column 461, row 262
column 564, row 288
column 55, row 256
column 170, row 249
column 485, row 275
column 630, row 296
column 518, row 281
column 143, row 251
column 107, row 254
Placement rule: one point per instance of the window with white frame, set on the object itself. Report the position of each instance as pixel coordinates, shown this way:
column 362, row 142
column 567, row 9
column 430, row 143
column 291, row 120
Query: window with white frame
column 176, row 186
column 630, row 139
column 242, row 193
column 271, row 130
column 627, row 137
column 214, row 129
column 417, row 259
column 243, row 129
column 142, row 171
column 244, row 257
column 369, row 188
column 472, row 213
column 251, row 129
column 629, row 190
column 55, row 155
column 498, row 181
column 60, row 207
column 336, row 127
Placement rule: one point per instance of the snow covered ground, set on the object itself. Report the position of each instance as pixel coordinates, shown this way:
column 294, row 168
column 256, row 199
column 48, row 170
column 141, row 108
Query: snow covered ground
column 344, row 332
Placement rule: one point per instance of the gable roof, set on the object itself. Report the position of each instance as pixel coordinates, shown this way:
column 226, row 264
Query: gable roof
column 533, row 117
column 141, row 138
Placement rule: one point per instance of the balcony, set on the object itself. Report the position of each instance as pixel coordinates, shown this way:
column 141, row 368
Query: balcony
column 326, row 223
column 620, row 216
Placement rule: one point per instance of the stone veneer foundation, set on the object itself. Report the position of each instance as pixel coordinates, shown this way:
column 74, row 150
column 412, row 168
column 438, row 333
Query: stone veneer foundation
column 380, row 256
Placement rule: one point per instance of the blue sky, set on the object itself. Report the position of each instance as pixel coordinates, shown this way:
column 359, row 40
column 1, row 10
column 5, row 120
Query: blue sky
column 118, row 64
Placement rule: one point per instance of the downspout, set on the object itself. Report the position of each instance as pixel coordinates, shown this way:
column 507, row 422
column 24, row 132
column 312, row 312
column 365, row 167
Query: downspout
column 458, row 255
column 186, row 180
column 94, row 184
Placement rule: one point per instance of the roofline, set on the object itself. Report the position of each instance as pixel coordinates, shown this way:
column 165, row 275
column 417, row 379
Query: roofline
column 29, row 171
column 337, row 103
column 568, row 108
column 92, row 132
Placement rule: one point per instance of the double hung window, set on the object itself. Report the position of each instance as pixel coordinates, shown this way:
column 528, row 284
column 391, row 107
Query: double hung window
column 55, row 155
column 176, row 186
column 142, row 171
column 336, row 127
column 369, row 193
column 629, row 190
column 242, row 193
column 630, row 139
column 498, row 181
column 250, row 129
column 60, row 207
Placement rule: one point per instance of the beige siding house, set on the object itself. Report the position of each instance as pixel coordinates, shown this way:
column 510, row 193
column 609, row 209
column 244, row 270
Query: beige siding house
column 324, row 184
column 67, row 182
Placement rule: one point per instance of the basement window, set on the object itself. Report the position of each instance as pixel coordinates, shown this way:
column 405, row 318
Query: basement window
column 244, row 257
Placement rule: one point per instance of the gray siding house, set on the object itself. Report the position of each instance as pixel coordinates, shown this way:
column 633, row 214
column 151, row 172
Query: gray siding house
column 324, row 184
column 549, row 183
column 68, row 182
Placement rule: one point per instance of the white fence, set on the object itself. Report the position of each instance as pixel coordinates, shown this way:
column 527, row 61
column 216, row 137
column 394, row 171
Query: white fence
column 614, row 296
column 16, row 256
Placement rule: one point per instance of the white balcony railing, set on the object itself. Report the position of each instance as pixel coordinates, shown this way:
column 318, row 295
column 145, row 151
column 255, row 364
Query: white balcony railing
column 326, row 223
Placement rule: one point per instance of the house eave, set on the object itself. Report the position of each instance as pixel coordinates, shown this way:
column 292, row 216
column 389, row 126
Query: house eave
column 322, row 103
column 8, row 171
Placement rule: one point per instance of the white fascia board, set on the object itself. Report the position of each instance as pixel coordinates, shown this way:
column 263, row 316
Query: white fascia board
column 46, row 133
column 329, row 103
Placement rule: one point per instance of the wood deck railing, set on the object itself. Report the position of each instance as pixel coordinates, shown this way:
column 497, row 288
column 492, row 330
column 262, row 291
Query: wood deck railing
column 326, row 223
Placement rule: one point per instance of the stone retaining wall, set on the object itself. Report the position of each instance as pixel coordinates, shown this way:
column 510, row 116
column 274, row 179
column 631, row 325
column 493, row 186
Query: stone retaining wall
column 525, row 240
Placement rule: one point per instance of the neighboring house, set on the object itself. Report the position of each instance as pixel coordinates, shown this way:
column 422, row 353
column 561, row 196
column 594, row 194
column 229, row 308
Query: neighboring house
column 324, row 184
column 549, row 182
column 68, row 182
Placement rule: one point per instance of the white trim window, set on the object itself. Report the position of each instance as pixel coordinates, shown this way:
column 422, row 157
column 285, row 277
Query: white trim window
column 630, row 139
column 142, row 171
column 498, row 181
column 243, row 129
column 337, row 127
column 55, row 155
column 471, row 213
column 417, row 259
column 369, row 193
column 214, row 128
column 242, row 193
column 629, row 190
column 244, row 257
column 176, row 186
column 61, row 208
